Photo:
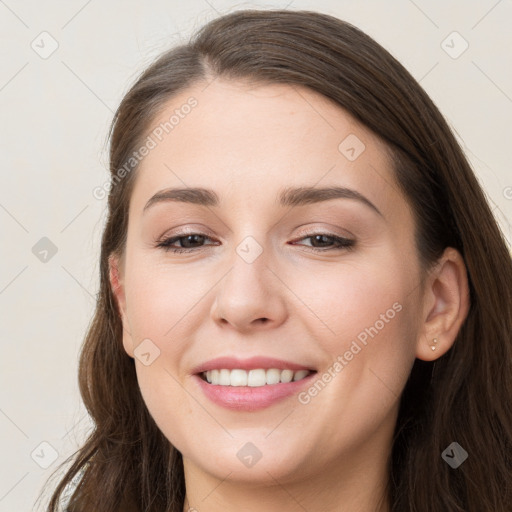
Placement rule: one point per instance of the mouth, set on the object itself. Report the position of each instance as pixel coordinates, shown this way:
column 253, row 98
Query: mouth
column 255, row 378
column 252, row 389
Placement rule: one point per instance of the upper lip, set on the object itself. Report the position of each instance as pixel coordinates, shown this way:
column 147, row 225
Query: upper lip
column 231, row 363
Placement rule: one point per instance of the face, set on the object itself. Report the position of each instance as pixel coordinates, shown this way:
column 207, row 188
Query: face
column 329, row 284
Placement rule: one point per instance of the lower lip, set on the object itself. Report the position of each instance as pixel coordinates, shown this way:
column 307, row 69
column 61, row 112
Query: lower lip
column 247, row 398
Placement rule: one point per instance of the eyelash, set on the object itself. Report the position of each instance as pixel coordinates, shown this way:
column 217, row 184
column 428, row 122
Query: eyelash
column 342, row 243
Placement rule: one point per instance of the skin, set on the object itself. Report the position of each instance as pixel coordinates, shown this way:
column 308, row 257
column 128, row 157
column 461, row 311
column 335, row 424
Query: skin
column 248, row 142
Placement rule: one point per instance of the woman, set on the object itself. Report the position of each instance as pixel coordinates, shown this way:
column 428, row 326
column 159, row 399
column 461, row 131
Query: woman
column 305, row 300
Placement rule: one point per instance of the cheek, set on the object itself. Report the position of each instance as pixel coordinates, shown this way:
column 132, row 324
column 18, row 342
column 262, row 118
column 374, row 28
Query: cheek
column 364, row 323
column 159, row 297
column 160, row 302
column 166, row 400
column 352, row 301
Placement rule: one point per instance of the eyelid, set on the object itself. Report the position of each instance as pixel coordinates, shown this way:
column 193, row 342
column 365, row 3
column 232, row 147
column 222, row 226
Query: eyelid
column 201, row 229
column 179, row 232
column 312, row 231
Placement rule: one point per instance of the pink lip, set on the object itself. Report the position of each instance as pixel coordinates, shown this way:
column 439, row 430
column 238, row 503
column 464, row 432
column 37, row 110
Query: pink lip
column 231, row 363
column 247, row 398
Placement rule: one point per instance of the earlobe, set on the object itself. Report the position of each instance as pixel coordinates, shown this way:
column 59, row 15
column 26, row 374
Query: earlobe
column 445, row 306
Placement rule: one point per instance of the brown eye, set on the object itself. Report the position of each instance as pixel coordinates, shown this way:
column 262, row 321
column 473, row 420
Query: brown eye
column 188, row 242
column 321, row 240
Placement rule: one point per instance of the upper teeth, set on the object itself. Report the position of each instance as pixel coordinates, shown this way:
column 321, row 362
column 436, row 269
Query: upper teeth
column 254, row 378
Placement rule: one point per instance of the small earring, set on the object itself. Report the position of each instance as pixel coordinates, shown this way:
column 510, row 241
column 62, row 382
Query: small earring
column 433, row 341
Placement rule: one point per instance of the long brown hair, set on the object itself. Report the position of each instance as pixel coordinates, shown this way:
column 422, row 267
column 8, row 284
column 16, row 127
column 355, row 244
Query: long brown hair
column 464, row 396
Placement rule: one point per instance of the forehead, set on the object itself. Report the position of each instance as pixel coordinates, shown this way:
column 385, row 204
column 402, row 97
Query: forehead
column 249, row 142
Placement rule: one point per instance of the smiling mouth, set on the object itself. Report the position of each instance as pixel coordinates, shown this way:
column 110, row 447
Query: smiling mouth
column 253, row 378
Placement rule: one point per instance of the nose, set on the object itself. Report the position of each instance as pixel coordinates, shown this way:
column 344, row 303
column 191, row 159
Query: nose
column 251, row 296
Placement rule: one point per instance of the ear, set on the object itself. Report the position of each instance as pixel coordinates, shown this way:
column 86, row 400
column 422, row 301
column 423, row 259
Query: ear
column 116, row 276
column 445, row 306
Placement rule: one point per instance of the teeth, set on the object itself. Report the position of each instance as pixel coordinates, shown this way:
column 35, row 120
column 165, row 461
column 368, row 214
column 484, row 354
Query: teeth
column 225, row 378
column 253, row 378
column 300, row 374
column 286, row 376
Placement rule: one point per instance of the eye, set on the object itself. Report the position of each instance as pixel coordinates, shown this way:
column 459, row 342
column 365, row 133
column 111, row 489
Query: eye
column 323, row 238
column 188, row 239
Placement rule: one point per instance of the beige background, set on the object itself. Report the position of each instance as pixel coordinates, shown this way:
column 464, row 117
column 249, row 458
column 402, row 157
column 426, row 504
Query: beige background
column 55, row 115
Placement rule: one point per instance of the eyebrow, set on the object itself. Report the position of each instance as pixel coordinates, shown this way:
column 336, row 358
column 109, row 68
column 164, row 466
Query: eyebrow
column 291, row 196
